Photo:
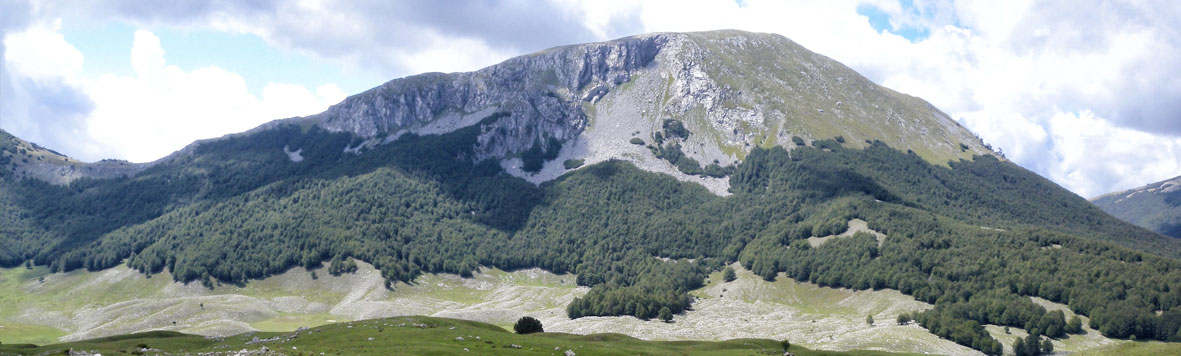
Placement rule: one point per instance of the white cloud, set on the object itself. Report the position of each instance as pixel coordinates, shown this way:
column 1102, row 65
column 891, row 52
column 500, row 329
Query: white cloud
column 41, row 99
column 155, row 111
column 40, row 52
column 1092, row 153
column 444, row 54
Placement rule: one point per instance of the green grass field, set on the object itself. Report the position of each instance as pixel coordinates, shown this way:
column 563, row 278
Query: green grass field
column 415, row 336
column 1142, row 348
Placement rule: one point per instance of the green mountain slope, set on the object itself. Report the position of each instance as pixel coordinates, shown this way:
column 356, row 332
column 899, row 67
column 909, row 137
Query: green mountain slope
column 974, row 236
column 416, row 205
column 1156, row 206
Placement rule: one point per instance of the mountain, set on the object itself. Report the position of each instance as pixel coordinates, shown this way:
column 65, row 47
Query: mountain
column 733, row 90
column 1156, row 206
column 641, row 165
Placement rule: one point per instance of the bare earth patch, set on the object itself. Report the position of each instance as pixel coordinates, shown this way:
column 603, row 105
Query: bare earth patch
column 855, row 226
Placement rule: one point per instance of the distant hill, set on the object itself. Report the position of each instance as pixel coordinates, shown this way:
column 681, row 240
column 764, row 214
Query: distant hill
column 641, row 165
column 1156, row 206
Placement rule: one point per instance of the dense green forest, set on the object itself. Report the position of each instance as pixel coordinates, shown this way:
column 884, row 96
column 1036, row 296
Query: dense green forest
column 975, row 238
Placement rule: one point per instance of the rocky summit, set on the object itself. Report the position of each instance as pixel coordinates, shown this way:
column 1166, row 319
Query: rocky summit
column 731, row 90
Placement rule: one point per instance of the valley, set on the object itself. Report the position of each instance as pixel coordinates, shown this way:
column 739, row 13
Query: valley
column 88, row 306
column 79, row 305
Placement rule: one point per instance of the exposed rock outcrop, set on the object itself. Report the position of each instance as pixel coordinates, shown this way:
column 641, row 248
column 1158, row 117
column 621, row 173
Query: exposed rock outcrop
column 733, row 90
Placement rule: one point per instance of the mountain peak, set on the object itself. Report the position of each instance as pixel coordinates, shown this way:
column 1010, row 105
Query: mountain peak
column 731, row 90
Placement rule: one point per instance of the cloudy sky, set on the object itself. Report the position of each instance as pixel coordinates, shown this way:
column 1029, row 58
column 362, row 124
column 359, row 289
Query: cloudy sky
column 1085, row 93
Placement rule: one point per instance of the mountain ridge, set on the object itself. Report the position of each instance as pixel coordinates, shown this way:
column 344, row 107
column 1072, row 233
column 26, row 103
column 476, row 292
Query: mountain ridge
column 554, row 98
column 1155, row 206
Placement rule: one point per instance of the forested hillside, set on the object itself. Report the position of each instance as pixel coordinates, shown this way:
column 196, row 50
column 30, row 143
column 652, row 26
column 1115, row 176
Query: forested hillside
column 975, row 238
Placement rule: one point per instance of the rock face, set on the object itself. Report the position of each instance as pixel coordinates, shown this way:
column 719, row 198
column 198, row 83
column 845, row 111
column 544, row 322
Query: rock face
column 1156, row 206
column 733, row 90
column 544, row 92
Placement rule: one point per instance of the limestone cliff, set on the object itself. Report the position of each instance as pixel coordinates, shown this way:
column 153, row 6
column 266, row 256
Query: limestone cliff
column 732, row 90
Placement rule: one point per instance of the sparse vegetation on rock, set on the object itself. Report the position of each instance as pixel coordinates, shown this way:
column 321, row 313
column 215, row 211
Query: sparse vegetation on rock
column 572, row 163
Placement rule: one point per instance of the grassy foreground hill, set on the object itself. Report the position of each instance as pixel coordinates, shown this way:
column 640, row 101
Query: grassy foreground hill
column 412, row 336
column 417, row 335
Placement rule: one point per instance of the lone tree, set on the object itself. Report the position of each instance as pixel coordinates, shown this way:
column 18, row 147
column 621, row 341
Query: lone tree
column 869, row 319
column 728, row 274
column 904, row 318
column 527, row 325
column 666, row 314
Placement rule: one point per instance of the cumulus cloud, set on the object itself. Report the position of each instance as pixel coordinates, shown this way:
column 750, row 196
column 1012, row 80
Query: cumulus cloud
column 1090, row 152
column 139, row 117
column 41, row 100
column 396, row 38
column 163, row 107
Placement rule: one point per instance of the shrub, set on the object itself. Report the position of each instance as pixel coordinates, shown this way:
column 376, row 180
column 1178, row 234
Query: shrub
column 728, row 275
column 674, row 128
column 904, row 318
column 637, row 141
column 527, row 325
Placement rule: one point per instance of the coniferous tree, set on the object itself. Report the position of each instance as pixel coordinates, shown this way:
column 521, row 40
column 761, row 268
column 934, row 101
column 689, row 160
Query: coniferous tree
column 665, row 314
column 1019, row 348
column 527, row 325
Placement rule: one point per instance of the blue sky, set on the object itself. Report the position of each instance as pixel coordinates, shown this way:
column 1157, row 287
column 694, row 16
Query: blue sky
column 879, row 20
column 108, row 50
column 1088, row 96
